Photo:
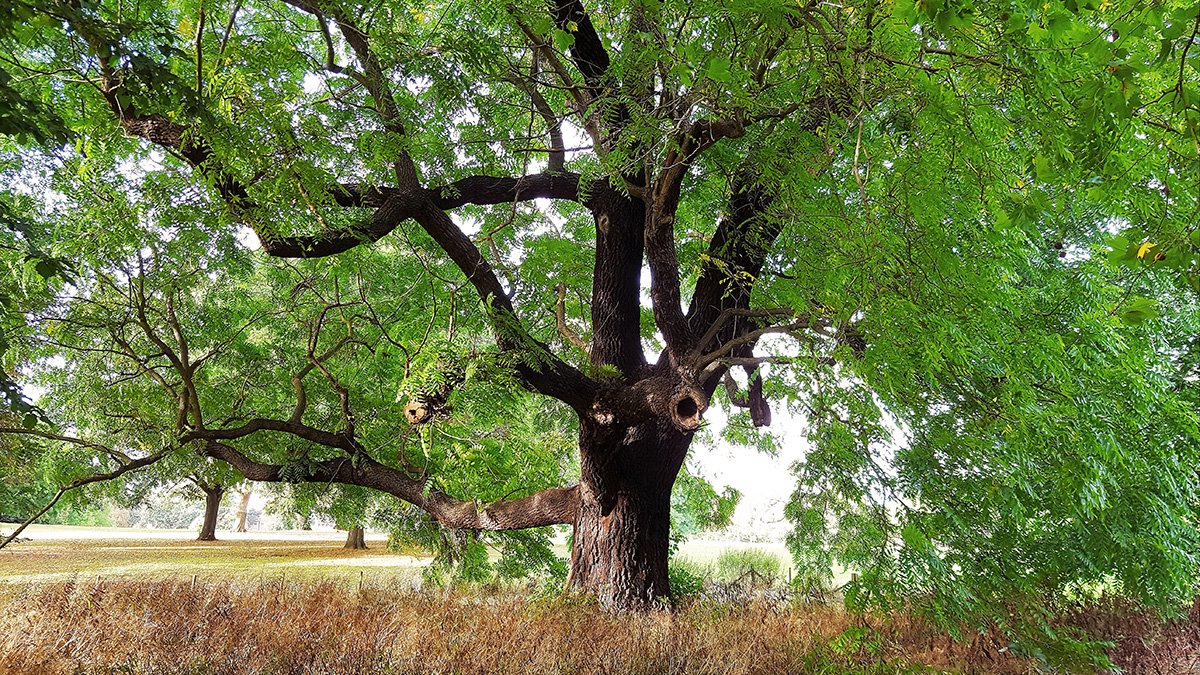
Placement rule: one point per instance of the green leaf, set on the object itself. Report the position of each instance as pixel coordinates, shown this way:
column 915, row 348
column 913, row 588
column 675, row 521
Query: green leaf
column 563, row 40
column 1138, row 311
column 718, row 70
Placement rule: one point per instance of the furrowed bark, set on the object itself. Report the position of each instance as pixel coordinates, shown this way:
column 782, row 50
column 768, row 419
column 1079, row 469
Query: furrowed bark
column 622, row 534
column 616, row 282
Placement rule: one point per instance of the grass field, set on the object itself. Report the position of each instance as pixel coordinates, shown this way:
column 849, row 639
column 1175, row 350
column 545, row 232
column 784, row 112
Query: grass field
column 164, row 626
column 57, row 553
column 94, row 600
column 60, row 552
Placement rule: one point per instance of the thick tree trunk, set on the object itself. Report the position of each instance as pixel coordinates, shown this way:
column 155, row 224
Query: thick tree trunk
column 212, row 505
column 243, row 511
column 622, row 535
column 355, row 538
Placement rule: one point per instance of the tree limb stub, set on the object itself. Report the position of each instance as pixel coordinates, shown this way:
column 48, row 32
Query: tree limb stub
column 560, row 317
column 752, row 399
column 674, row 398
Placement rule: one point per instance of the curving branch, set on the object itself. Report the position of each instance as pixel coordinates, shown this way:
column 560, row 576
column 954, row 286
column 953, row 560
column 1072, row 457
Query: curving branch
column 553, row 506
column 298, row 379
column 408, row 200
column 560, row 318
column 124, row 468
column 298, row 429
column 45, row 435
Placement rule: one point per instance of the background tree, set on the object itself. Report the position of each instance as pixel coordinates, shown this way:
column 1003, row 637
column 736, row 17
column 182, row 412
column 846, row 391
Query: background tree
column 213, row 488
column 244, row 493
column 895, row 218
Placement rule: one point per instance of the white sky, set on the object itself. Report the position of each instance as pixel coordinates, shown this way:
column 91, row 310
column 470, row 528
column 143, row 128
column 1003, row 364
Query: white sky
column 765, row 481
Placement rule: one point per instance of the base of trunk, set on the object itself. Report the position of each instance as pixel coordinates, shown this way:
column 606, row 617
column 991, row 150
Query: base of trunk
column 212, row 507
column 356, row 539
column 620, row 557
column 622, row 532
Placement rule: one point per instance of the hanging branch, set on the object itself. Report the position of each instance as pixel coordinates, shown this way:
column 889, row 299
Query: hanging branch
column 132, row 465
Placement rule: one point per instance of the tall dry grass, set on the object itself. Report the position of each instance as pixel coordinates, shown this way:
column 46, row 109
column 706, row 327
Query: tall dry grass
column 255, row 627
column 240, row 626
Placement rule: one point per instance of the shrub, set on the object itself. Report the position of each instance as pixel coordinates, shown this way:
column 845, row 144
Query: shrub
column 734, row 564
column 687, row 577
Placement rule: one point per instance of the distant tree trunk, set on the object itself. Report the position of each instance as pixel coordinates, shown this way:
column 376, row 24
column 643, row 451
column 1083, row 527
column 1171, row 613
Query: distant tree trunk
column 243, row 510
column 212, row 505
column 355, row 538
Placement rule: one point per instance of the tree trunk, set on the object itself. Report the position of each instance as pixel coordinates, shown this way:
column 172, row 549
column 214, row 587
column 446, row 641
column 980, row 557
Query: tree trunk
column 243, row 511
column 355, row 538
column 212, row 504
column 622, row 535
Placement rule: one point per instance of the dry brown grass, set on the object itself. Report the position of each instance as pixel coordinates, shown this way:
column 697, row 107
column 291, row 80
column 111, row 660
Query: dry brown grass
column 1143, row 643
column 320, row 627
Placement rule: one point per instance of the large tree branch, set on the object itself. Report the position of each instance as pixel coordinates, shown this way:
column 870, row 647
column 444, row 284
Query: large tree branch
column 736, row 254
column 487, row 190
column 393, row 206
column 372, row 76
column 616, row 281
column 587, row 49
column 663, row 205
column 297, row 429
column 553, row 506
column 739, row 247
column 539, row 368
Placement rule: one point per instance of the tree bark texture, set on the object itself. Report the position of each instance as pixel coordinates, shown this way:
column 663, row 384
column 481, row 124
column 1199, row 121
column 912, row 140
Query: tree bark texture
column 356, row 538
column 212, row 506
column 622, row 532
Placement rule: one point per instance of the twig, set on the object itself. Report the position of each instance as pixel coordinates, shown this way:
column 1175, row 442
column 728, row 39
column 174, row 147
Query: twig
column 560, row 315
